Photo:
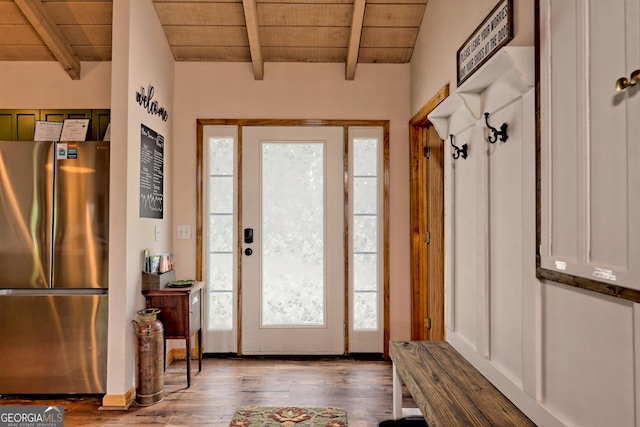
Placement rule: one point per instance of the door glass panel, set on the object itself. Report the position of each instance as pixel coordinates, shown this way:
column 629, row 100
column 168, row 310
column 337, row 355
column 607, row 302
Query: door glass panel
column 365, row 234
column 365, row 298
column 293, row 292
column 221, row 237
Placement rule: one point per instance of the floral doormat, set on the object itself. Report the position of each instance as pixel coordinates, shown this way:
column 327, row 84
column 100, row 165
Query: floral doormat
column 290, row 416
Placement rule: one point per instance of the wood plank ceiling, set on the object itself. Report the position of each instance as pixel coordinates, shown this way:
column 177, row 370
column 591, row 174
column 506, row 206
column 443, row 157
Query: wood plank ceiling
column 256, row 31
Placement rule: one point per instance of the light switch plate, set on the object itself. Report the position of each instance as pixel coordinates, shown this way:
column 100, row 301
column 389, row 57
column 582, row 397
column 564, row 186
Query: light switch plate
column 184, row 232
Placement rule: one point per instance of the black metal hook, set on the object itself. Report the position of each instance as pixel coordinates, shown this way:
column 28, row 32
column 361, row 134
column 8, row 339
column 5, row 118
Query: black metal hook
column 497, row 134
column 459, row 151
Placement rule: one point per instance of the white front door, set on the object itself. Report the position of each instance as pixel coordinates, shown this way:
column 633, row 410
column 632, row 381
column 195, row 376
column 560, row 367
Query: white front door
column 292, row 286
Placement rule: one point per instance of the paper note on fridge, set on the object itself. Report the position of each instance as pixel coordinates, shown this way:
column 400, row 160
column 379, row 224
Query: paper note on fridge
column 75, row 130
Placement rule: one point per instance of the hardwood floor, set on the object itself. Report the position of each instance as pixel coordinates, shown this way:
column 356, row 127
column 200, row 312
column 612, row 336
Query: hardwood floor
column 361, row 387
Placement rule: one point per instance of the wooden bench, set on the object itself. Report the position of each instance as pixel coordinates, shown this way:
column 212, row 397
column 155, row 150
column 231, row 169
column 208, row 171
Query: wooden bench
column 448, row 390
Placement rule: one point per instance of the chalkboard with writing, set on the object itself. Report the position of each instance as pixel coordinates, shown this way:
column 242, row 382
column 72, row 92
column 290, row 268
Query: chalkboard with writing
column 151, row 173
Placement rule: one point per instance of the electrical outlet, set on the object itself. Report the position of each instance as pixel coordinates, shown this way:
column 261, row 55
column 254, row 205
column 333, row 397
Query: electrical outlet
column 157, row 233
column 184, row 232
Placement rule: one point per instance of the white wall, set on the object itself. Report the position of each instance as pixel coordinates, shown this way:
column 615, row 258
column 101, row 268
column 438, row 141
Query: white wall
column 141, row 57
column 298, row 91
column 42, row 85
column 565, row 356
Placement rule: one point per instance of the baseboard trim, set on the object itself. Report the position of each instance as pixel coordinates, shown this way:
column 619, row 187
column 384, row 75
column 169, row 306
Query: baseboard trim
column 180, row 354
column 118, row 402
column 122, row 402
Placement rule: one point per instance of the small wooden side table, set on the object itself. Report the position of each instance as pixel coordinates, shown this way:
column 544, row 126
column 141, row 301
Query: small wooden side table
column 181, row 316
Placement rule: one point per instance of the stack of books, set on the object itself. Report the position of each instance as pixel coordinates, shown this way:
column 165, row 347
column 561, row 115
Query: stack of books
column 157, row 264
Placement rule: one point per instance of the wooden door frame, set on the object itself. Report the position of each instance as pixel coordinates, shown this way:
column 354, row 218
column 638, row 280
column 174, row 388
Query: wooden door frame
column 384, row 124
column 427, row 224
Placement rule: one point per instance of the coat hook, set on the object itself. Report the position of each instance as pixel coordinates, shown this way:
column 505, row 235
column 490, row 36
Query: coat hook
column 624, row 83
column 459, row 151
column 502, row 133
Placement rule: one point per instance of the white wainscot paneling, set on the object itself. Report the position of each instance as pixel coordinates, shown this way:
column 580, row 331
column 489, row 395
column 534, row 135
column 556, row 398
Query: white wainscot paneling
column 505, row 246
column 485, row 226
column 493, row 298
column 464, row 173
column 588, row 359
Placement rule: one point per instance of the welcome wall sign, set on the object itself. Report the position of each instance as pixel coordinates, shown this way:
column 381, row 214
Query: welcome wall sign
column 494, row 32
column 145, row 99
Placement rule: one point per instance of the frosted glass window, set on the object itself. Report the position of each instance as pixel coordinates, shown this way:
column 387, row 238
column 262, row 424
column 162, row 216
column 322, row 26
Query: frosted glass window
column 220, row 311
column 220, row 233
column 367, row 190
column 221, row 225
column 365, row 157
column 220, row 271
column 293, row 234
column 365, row 272
column 365, row 304
column 221, row 159
column 365, row 232
column 365, row 222
column 221, row 194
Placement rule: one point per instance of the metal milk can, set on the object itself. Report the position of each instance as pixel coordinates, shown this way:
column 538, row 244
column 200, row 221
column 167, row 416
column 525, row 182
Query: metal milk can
column 149, row 357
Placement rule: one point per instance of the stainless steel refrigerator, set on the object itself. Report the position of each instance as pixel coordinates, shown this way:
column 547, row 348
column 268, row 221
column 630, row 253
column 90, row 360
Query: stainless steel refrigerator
column 54, row 245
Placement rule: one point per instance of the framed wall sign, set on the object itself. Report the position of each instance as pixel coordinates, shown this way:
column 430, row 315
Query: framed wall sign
column 494, row 32
column 151, row 173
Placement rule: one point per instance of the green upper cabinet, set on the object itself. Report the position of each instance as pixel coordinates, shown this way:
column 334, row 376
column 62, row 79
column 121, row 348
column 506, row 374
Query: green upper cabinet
column 99, row 122
column 60, row 115
column 97, row 125
column 19, row 125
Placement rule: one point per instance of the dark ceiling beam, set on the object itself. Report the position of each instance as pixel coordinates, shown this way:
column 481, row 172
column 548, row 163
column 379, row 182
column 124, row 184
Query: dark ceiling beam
column 51, row 35
column 253, row 31
column 354, row 39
